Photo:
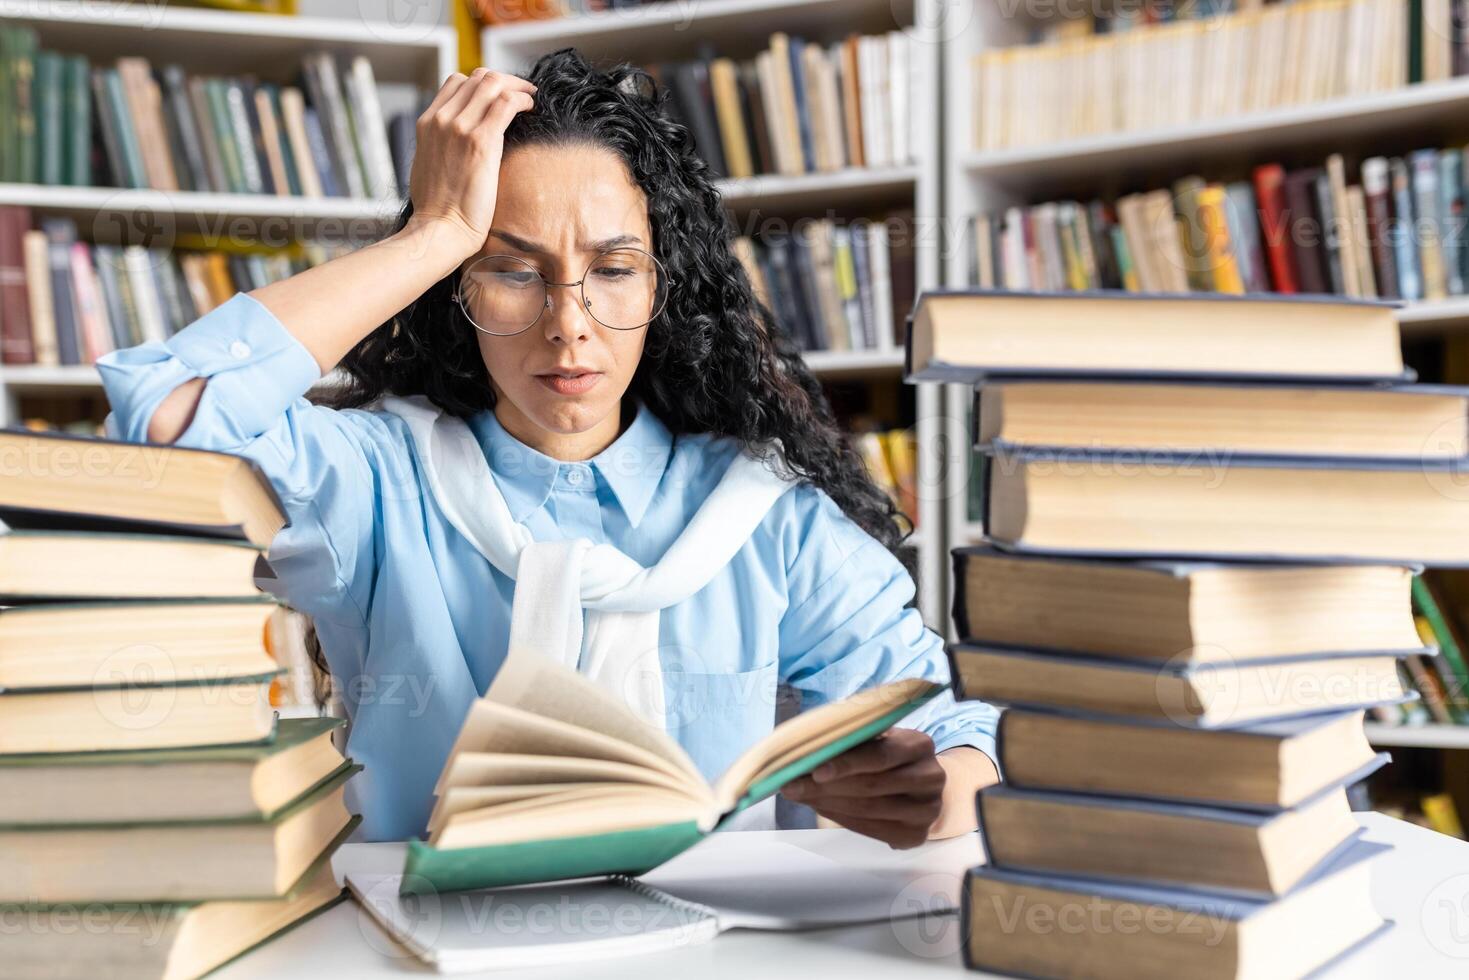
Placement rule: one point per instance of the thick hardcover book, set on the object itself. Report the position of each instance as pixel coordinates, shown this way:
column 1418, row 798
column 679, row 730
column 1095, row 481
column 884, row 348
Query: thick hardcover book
column 1242, row 507
column 1328, row 916
column 967, row 335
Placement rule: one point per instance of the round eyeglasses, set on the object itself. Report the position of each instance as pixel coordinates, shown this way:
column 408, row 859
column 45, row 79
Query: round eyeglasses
column 623, row 288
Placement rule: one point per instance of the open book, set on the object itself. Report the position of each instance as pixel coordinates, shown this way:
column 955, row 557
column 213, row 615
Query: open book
column 552, row 777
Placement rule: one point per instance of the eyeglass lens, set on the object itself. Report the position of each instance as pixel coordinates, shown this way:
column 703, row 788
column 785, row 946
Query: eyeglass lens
column 622, row 289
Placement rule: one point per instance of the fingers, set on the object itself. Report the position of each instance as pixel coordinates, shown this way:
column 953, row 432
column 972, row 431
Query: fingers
column 922, row 778
column 457, row 90
column 893, row 748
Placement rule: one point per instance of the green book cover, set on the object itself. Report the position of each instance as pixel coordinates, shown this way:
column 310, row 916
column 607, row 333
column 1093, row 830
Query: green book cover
column 22, row 64
column 429, row 870
column 127, row 134
column 224, row 133
column 9, row 128
column 1448, row 646
column 77, row 121
column 50, row 129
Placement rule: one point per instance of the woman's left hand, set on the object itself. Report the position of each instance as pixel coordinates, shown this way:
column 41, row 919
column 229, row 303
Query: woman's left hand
column 891, row 788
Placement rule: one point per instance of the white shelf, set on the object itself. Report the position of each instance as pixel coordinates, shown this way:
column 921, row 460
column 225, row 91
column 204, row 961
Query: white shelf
column 1337, row 123
column 853, row 363
column 159, row 215
column 849, row 187
column 35, row 377
column 1419, row 736
column 1436, row 316
column 653, row 31
column 228, row 42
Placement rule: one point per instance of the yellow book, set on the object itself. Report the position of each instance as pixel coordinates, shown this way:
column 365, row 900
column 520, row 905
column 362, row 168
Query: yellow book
column 1218, row 253
column 1443, row 815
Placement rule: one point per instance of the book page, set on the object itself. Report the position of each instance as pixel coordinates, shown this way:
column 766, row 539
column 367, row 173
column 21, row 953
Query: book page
column 544, row 687
column 572, row 814
column 501, row 729
column 811, row 730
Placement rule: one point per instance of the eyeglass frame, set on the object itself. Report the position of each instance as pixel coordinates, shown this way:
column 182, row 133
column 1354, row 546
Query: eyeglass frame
column 546, row 285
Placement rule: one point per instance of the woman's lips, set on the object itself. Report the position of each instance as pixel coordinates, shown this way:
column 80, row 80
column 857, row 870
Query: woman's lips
column 576, row 384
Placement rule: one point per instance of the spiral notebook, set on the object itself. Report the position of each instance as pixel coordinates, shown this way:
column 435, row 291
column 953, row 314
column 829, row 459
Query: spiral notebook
column 786, row 880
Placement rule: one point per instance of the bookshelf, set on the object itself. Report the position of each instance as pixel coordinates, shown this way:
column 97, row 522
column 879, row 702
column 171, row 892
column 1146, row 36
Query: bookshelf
column 405, row 59
column 1108, row 164
column 740, row 28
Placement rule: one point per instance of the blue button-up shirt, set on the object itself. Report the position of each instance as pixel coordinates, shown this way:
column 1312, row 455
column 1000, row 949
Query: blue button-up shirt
column 414, row 621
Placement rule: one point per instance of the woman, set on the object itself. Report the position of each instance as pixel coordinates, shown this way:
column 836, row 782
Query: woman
column 562, row 294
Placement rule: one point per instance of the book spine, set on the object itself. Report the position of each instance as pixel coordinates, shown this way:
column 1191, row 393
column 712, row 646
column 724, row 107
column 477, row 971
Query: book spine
column 50, row 127
column 1404, row 239
column 60, row 234
column 92, row 325
column 242, row 134
column 1428, row 227
column 1269, row 191
column 36, row 250
column 16, row 344
column 78, row 121
column 1306, row 234
column 1330, row 234
column 203, row 116
column 126, row 129
column 1451, row 218
column 1376, row 190
column 23, row 103
column 180, row 111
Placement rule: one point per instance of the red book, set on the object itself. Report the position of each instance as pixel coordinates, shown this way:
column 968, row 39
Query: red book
column 1377, row 189
column 1275, row 227
column 15, row 307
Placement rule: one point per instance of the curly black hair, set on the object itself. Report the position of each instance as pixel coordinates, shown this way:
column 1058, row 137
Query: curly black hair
column 715, row 360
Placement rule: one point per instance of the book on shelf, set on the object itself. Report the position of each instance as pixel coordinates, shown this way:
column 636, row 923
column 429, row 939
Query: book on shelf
column 75, row 301
column 1201, row 695
column 551, row 777
column 1184, row 611
column 964, row 335
column 1396, row 231
column 889, row 457
column 799, row 106
column 1191, row 932
column 1268, row 767
column 1225, row 60
column 1337, row 421
column 161, row 128
column 835, row 286
column 194, row 783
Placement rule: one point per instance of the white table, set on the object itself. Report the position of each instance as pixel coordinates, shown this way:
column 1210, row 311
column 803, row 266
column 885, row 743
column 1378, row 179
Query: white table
column 1423, row 885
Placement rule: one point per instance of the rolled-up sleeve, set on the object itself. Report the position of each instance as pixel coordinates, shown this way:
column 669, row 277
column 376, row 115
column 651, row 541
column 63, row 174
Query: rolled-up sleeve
column 320, row 461
column 849, row 626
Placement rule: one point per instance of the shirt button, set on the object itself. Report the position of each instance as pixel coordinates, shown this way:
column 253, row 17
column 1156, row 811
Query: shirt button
column 239, row 350
column 574, row 477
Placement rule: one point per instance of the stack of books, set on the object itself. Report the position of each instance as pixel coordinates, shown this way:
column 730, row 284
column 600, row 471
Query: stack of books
column 146, row 784
column 1204, row 518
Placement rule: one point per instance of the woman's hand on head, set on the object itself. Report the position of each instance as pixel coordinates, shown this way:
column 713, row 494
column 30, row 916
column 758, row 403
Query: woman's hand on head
column 461, row 140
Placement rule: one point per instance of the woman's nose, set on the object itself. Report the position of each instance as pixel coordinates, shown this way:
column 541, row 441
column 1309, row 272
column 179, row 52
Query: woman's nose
column 567, row 321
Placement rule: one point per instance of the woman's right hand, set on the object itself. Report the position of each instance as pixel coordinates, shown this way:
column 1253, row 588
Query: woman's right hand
column 456, row 167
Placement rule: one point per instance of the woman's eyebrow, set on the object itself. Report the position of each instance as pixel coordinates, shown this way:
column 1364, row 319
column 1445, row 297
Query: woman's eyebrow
column 525, row 245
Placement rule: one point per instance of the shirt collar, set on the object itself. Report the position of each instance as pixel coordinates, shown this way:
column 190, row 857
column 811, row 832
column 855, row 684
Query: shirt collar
column 631, row 467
